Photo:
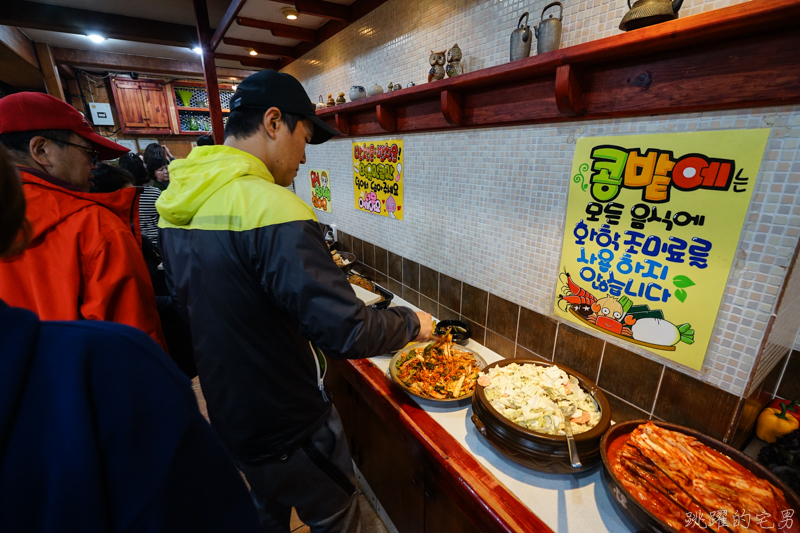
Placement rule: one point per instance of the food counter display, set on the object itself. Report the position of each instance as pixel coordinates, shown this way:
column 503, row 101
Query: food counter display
column 455, row 463
column 450, row 459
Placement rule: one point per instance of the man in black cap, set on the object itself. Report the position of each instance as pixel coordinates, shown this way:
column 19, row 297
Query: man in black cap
column 265, row 302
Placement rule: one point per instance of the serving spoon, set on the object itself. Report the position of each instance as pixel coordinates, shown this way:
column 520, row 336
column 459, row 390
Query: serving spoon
column 573, row 448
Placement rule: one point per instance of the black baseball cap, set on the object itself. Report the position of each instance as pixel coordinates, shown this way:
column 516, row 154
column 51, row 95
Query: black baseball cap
column 268, row 88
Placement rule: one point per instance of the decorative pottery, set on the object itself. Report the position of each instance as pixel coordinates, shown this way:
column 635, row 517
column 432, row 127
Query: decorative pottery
column 331, row 101
column 357, row 92
column 340, row 99
column 436, row 60
column 649, row 12
column 548, row 32
column 521, row 39
column 454, row 67
column 375, row 90
column 411, row 84
column 397, row 87
column 321, row 103
column 185, row 96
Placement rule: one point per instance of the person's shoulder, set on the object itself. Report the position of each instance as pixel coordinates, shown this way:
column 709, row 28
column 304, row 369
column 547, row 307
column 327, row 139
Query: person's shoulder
column 270, row 204
column 128, row 346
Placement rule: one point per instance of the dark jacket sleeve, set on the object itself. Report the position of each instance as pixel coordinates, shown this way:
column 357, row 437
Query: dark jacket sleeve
column 299, row 276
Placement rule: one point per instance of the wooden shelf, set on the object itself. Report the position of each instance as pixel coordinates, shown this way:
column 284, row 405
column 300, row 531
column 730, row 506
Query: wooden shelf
column 202, row 109
column 736, row 57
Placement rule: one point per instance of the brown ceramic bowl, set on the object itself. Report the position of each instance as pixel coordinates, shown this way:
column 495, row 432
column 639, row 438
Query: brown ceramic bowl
column 630, row 506
column 540, row 451
column 401, row 353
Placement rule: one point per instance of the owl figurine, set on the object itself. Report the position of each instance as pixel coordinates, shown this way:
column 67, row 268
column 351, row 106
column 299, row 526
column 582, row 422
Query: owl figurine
column 454, row 67
column 436, row 60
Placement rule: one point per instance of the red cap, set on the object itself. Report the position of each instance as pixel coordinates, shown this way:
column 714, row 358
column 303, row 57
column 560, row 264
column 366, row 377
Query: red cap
column 38, row 111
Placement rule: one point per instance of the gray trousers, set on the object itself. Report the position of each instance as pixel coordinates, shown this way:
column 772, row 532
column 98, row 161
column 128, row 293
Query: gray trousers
column 317, row 480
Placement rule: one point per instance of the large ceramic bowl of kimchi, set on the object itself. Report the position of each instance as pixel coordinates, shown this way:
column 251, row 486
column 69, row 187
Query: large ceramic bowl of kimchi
column 532, row 434
column 672, row 479
column 437, row 372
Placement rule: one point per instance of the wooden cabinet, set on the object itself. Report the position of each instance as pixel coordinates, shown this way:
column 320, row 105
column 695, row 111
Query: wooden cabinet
column 397, row 473
column 141, row 106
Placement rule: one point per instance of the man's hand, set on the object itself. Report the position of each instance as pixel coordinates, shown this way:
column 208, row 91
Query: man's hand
column 425, row 327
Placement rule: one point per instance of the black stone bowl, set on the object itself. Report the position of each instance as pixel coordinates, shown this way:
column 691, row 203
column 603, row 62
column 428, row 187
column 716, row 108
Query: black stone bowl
column 631, row 507
column 540, row 451
column 458, row 337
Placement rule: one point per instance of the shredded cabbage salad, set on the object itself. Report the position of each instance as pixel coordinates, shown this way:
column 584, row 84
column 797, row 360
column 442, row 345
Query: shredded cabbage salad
column 531, row 395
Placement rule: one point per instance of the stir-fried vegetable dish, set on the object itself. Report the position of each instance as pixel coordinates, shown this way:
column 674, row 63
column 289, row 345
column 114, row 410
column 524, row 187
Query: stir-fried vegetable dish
column 440, row 370
column 532, row 396
column 692, row 487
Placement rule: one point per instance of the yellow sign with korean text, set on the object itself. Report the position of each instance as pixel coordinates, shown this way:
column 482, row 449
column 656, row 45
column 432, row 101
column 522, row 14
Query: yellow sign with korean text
column 653, row 222
column 378, row 177
column 321, row 190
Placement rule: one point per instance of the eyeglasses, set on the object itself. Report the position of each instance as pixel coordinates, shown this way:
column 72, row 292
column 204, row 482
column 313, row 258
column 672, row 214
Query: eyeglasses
column 94, row 155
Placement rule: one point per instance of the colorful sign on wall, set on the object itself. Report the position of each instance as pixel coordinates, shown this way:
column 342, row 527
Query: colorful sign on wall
column 320, row 189
column 653, row 222
column 378, row 177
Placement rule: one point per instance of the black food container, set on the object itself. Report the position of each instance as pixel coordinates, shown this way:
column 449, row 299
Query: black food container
column 459, row 337
column 387, row 297
column 540, row 451
column 631, row 507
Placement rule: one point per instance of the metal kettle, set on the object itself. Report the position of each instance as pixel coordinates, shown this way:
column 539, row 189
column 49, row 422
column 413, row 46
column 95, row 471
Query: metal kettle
column 649, row 12
column 548, row 32
column 521, row 39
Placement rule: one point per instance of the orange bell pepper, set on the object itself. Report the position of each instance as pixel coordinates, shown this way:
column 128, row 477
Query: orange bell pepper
column 774, row 423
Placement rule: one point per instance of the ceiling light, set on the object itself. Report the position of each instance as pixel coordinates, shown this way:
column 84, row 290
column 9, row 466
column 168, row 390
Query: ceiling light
column 253, row 53
column 290, row 13
column 234, row 87
column 197, row 50
column 96, row 38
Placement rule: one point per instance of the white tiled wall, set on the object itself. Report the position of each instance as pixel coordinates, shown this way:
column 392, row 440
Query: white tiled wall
column 487, row 206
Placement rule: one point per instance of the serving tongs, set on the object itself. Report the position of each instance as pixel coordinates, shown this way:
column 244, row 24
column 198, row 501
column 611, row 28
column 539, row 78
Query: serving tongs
column 639, row 470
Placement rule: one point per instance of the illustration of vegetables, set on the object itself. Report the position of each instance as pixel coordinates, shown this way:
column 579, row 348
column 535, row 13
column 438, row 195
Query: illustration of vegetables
column 662, row 332
column 681, row 282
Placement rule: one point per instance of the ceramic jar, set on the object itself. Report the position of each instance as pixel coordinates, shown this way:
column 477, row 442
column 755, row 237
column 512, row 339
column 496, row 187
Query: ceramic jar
column 321, row 103
column 331, row 101
column 340, row 99
column 357, row 92
column 411, row 84
column 375, row 90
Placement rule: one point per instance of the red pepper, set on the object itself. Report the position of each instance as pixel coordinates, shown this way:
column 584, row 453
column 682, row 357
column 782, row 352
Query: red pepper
column 792, row 407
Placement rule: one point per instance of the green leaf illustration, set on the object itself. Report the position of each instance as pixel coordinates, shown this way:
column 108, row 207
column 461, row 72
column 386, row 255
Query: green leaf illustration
column 682, row 282
column 680, row 294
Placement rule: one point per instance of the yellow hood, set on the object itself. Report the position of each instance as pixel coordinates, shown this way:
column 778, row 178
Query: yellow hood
column 192, row 181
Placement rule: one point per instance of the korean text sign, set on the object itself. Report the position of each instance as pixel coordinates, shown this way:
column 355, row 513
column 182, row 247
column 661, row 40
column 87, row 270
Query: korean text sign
column 653, row 222
column 320, row 189
column 378, row 177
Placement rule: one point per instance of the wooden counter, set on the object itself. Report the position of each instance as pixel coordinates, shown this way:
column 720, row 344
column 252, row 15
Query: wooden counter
column 431, row 471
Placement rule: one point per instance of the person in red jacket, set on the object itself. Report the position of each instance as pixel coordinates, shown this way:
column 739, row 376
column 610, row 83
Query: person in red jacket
column 84, row 260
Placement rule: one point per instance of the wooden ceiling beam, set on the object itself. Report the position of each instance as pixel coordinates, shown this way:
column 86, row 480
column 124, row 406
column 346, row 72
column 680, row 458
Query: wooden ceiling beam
column 17, row 41
column 358, row 9
column 51, row 78
column 247, row 61
column 280, row 30
column 262, row 48
column 227, row 19
column 132, row 63
column 34, row 15
column 320, row 8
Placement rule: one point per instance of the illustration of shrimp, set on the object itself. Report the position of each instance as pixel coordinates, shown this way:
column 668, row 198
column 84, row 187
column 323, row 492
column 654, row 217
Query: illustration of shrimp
column 579, row 299
column 610, row 314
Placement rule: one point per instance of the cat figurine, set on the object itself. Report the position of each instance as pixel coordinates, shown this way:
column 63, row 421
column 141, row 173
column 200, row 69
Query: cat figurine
column 436, row 60
column 454, row 67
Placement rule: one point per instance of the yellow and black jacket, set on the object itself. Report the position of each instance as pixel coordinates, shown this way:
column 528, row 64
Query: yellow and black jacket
column 249, row 267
